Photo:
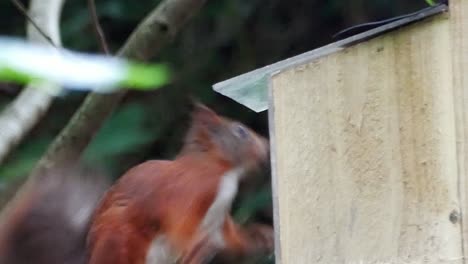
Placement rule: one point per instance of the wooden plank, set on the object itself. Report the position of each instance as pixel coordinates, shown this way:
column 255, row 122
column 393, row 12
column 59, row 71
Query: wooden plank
column 364, row 153
column 274, row 175
column 251, row 89
column 459, row 41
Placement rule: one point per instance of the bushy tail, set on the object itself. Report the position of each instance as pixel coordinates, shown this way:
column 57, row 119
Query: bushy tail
column 47, row 223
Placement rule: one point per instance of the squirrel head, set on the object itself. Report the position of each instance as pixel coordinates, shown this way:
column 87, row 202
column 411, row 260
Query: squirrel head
column 227, row 140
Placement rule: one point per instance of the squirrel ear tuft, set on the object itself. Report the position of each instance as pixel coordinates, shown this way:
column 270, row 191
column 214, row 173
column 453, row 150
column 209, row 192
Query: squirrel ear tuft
column 203, row 115
column 192, row 101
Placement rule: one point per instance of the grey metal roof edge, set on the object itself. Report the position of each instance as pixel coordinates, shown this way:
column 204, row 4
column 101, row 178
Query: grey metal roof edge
column 265, row 72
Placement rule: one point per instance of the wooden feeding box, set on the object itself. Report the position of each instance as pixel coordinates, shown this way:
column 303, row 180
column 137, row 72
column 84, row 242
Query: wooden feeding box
column 369, row 143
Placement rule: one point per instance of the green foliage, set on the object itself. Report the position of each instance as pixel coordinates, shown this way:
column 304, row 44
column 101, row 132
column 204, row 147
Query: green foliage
column 147, row 77
column 23, row 62
column 26, row 157
column 125, row 10
column 11, row 75
column 252, row 203
column 431, row 2
column 124, row 132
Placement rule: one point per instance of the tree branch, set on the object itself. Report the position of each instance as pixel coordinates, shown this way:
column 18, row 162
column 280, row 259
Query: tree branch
column 146, row 41
column 97, row 27
column 24, row 12
column 29, row 106
column 156, row 30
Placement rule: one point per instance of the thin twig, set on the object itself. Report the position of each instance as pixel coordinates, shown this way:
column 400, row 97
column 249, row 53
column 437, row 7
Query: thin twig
column 24, row 12
column 97, row 27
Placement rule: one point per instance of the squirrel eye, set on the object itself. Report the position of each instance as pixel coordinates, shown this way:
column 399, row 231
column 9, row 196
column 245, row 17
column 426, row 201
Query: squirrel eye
column 240, row 131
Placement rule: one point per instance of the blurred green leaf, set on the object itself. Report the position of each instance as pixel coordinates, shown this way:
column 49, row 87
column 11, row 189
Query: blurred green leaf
column 24, row 62
column 124, row 132
column 252, row 203
column 24, row 160
column 146, row 77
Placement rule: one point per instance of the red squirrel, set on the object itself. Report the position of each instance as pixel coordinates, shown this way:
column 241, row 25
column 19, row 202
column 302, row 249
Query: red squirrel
column 48, row 221
column 165, row 211
column 158, row 212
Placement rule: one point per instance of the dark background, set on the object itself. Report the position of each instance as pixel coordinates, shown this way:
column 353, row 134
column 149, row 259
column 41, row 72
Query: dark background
column 228, row 38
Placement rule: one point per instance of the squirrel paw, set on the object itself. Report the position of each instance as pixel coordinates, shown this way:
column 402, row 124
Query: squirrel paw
column 263, row 238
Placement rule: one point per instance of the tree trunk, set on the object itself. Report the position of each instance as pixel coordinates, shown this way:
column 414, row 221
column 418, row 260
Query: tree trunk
column 29, row 106
column 159, row 27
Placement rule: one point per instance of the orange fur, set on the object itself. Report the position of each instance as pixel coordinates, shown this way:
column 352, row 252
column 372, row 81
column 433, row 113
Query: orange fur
column 170, row 199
